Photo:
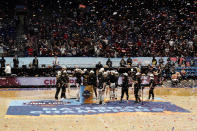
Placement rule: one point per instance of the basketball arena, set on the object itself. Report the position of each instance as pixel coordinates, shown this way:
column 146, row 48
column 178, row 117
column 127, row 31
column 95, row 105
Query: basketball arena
column 98, row 65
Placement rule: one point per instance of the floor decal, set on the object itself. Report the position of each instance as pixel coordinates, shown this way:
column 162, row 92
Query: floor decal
column 73, row 107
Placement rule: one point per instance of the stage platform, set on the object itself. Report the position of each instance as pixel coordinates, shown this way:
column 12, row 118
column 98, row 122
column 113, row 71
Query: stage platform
column 34, row 109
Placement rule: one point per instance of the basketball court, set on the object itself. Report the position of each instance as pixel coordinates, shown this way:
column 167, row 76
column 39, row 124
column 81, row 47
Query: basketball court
column 35, row 109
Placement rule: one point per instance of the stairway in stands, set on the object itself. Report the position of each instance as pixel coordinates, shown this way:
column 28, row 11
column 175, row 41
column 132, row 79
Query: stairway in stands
column 20, row 39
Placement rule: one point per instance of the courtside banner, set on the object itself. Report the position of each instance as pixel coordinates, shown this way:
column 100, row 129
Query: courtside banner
column 42, row 81
column 27, row 81
column 31, row 81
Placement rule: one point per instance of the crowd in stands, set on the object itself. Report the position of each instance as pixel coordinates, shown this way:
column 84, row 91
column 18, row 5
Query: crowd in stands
column 8, row 24
column 110, row 28
column 8, row 34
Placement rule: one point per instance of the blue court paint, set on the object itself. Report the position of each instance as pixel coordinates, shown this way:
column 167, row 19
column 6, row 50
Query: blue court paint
column 82, row 99
column 73, row 107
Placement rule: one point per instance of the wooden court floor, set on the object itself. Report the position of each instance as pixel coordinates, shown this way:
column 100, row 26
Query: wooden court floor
column 185, row 98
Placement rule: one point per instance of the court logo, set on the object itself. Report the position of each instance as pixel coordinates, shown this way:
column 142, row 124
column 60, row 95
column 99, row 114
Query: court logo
column 46, row 103
column 72, row 107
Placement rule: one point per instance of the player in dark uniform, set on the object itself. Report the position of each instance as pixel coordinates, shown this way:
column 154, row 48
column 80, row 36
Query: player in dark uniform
column 106, row 82
column 125, row 86
column 92, row 81
column 152, row 86
column 101, row 90
column 137, row 87
column 78, row 74
column 116, row 84
column 65, row 83
column 85, row 77
column 59, row 86
column 112, row 79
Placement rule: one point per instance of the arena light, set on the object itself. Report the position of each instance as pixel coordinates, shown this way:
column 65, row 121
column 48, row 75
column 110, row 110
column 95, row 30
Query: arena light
column 115, row 13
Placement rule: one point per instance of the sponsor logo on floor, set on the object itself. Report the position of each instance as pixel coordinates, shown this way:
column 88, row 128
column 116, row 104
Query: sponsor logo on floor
column 73, row 107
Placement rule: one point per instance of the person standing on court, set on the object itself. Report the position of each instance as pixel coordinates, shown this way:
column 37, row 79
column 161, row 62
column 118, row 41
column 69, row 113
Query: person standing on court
column 152, row 86
column 112, row 85
column 93, row 81
column 59, row 85
column 137, row 87
column 78, row 75
column 98, row 67
column 125, row 87
column 65, row 83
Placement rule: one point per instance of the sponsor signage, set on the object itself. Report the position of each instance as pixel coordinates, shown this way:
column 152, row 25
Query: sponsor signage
column 45, row 81
column 27, row 81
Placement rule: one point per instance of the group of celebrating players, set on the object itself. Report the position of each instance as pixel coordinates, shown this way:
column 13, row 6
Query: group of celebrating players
column 106, row 82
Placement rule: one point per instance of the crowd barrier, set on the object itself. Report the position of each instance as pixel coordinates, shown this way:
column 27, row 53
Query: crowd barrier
column 87, row 62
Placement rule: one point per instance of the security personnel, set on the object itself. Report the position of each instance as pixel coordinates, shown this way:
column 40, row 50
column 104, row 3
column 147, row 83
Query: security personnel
column 152, row 86
column 137, row 87
column 92, row 81
column 125, row 86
